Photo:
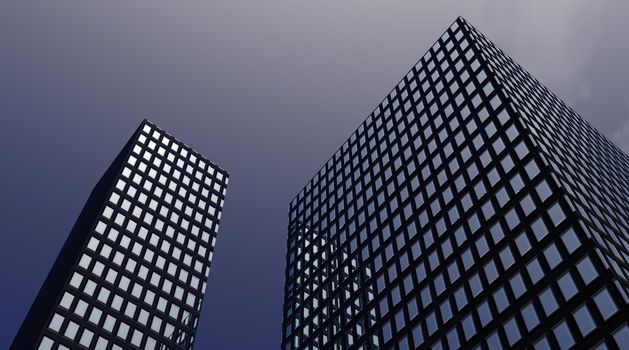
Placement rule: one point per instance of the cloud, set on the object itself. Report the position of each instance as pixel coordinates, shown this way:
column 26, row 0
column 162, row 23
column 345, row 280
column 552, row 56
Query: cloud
column 621, row 136
column 555, row 40
column 583, row 90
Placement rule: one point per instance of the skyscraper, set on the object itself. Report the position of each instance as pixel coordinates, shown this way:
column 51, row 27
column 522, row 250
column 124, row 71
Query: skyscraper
column 471, row 209
column 133, row 271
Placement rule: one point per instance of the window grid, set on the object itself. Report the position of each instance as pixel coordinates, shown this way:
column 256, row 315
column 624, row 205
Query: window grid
column 440, row 224
column 140, row 278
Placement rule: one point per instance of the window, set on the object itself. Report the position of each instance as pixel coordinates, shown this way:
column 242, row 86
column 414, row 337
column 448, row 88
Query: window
column 137, row 338
column 85, row 261
column 543, row 191
column 81, row 308
column 468, row 327
column 56, row 322
column 605, row 304
column 46, row 344
column 496, row 233
column 539, row 229
column 584, row 320
column 566, row 284
column 431, row 323
column 523, row 244
column 384, row 308
column 412, row 308
column 511, row 329
column 386, row 332
column 621, row 336
column 109, row 323
column 563, row 335
column 552, row 256
column 446, row 310
column 500, row 298
column 481, row 246
column 103, row 295
column 531, row 320
column 86, row 338
column 493, row 342
column 570, row 240
column 549, row 303
column 475, row 285
column 71, row 330
column 535, row 271
column 90, row 287
column 66, row 300
column 542, row 344
column 461, row 299
column 116, row 303
column 506, row 258
column 516, row 183
column 556, row 214
column 512, row 219
column 123, row 330
column 587, row 270
column 490, row 271
column 453, row 339
column 76, row 280
column 95, row 315
column 517, row 285
column 143, row 317
column 101, row 343
column 417, row 336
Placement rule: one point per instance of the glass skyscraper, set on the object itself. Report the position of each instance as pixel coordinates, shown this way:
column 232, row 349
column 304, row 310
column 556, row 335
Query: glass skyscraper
column 471, row 209
column 133, row 271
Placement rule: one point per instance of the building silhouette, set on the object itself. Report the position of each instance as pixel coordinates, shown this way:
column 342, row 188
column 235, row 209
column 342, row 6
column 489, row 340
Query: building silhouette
column 133, row 271
column 471, row 209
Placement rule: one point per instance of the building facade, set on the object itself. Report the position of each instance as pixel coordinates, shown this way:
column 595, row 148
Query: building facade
column 471, row 209
column 133, row 271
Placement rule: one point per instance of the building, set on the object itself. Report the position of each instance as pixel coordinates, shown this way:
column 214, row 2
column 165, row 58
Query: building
column 133, row 271
column 473, row 209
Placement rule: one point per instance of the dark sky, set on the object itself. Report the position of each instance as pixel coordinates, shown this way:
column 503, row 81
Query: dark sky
column 266, row 89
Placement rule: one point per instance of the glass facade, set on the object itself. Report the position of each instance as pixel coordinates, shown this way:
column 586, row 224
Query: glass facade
column 133, row 272
column 591, row 169
column 471, row 209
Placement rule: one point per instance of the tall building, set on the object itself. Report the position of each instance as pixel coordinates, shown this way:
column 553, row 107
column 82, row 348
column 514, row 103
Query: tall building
column 471, row 209
column 133, row 271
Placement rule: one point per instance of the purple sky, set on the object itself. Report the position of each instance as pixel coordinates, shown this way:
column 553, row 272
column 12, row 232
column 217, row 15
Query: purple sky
column 266, row 89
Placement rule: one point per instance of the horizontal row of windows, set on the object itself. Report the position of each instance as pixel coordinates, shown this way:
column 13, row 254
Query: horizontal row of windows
column 159, row 142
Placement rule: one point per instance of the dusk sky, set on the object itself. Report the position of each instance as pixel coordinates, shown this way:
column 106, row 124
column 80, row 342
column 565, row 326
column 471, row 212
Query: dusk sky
column 268, row 90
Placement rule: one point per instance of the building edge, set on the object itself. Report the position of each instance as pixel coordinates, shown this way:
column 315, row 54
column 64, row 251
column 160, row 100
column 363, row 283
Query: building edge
column 35, row 319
